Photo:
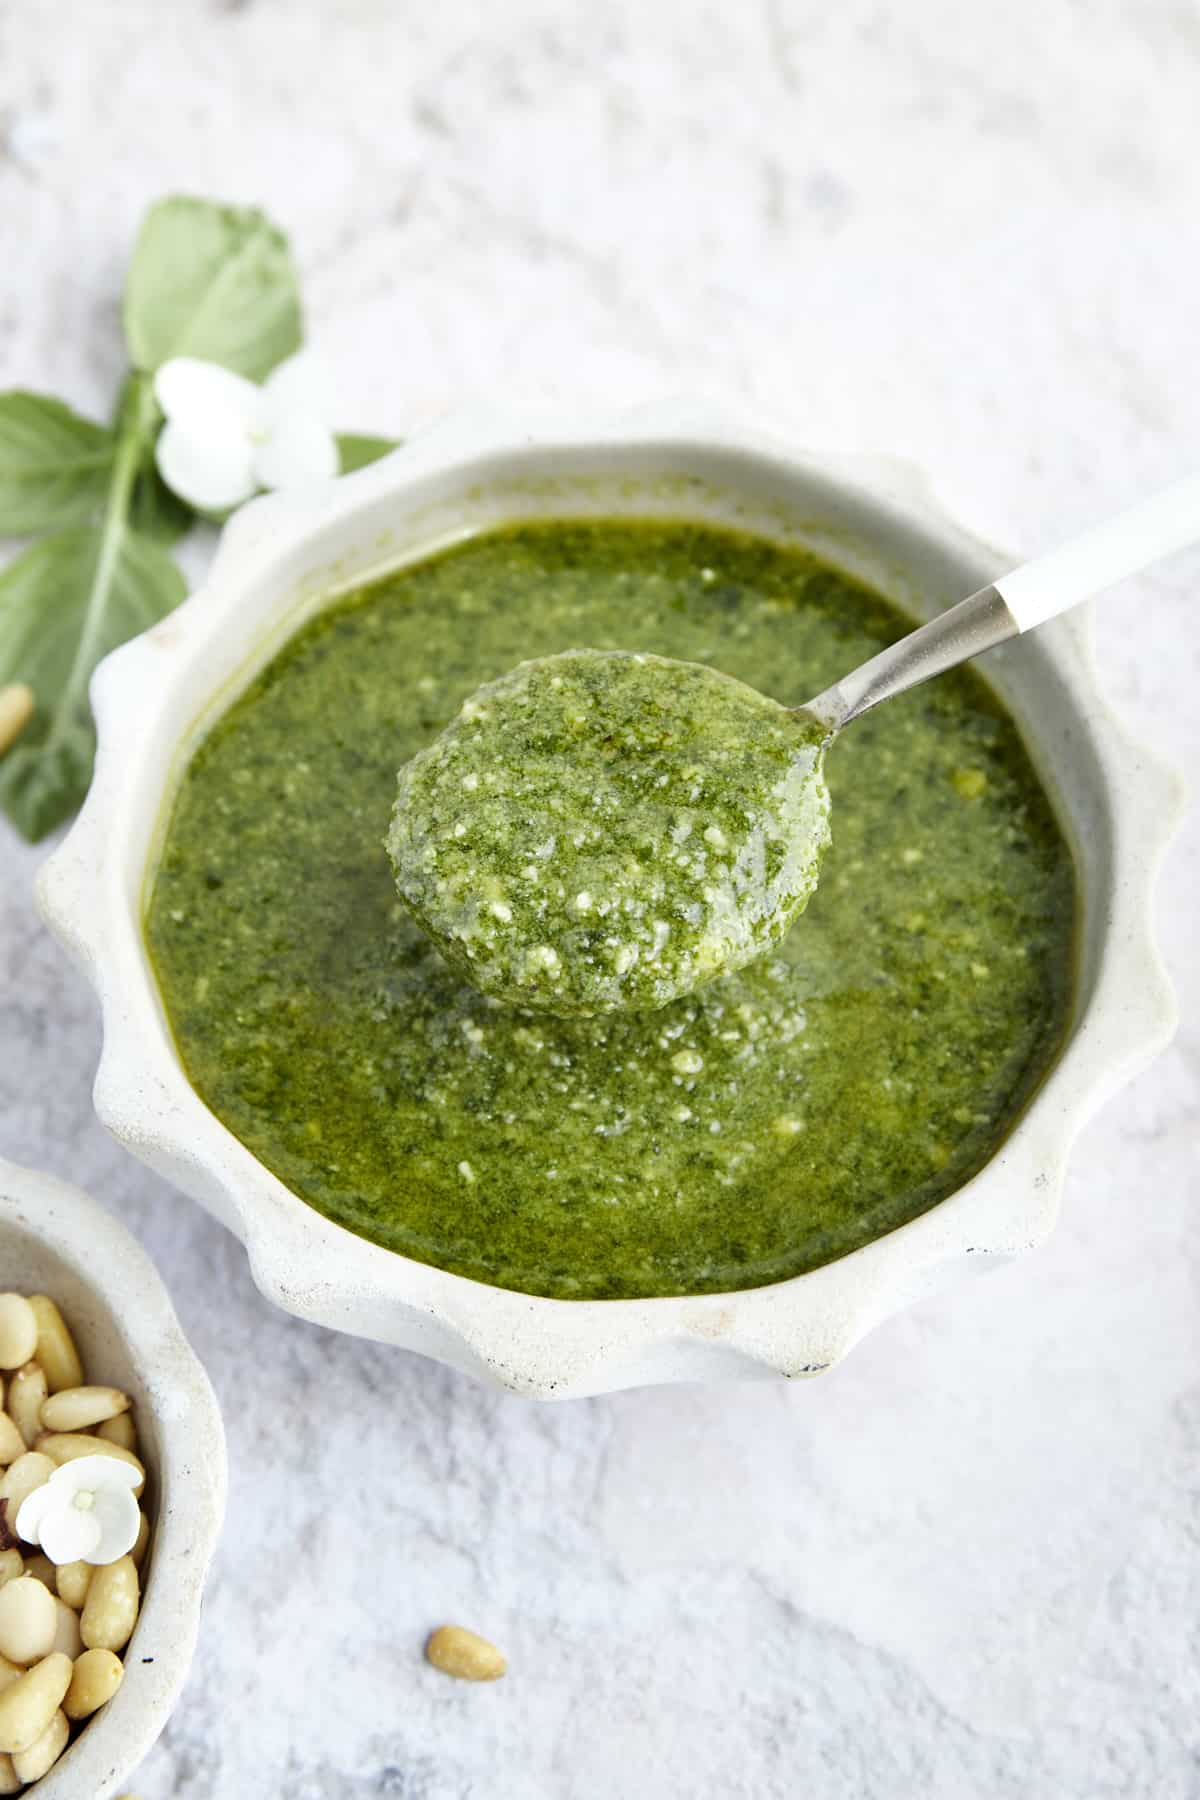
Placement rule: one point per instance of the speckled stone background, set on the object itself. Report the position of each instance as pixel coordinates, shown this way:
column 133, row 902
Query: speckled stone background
column 967, row 1564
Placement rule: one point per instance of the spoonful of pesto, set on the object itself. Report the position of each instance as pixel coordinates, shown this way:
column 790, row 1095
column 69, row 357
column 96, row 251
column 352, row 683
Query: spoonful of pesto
column 605, row 830
column 601, row 830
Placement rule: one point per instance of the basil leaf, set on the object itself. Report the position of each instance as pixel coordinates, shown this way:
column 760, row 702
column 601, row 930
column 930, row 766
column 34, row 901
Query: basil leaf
column 356, row 451
column 154, row 510
column 43, row 786
column 211, row 281
column 54, row 465
column 64, row 604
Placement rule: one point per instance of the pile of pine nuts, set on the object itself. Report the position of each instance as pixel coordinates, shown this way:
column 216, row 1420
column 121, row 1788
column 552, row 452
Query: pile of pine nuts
column 61, row 1628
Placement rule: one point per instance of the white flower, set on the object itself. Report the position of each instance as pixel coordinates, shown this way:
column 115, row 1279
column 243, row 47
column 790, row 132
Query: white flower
column 86, row 1512
column 225, row 438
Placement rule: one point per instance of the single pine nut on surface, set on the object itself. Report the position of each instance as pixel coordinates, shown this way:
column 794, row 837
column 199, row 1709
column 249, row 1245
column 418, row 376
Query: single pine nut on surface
column 18, row 1331
column 27, row 1707
column 33, row 1763
column 17, row 704
column 98, row 1674
column 27, row 1621
column 74, row 1409
column 55, row 1349
column 464, row 1654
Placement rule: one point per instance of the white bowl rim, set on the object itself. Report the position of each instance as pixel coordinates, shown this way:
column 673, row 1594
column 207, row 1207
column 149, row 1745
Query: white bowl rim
column 536, row 1346
column 191, row 1475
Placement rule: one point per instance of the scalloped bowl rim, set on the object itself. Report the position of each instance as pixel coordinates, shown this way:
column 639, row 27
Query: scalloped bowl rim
column 189, row 1467
column 90, row 892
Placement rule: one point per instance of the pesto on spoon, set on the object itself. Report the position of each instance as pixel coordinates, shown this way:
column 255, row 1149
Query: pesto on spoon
column 601, row 831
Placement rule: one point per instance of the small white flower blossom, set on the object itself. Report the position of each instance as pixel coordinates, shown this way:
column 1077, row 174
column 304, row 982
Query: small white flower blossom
column 86, row 1512
column 225, row 437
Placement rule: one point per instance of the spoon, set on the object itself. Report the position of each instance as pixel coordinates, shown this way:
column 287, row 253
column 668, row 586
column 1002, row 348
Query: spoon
column 1026, row 597
column 605, row 831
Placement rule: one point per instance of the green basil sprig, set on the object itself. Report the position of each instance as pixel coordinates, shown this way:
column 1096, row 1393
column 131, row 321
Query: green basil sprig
column 208, row 281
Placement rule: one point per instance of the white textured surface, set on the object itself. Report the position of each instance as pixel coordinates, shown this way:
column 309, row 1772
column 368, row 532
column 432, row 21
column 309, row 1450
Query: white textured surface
column 965, row 1564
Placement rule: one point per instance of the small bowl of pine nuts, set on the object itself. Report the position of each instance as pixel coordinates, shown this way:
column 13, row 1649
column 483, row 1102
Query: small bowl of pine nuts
column 112, row 1488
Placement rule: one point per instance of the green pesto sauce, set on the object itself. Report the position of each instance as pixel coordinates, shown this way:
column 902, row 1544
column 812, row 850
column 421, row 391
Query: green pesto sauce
column 601, row 831
column 780, row 1116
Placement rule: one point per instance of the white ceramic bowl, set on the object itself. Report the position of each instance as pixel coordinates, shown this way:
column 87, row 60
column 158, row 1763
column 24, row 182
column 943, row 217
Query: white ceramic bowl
column 54, row 1240
column 277, row 562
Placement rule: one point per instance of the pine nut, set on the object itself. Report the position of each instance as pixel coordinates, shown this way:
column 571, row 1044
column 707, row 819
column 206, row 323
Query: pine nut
column 9, row 1672
column 111, row 1608
column 462, row 1653
column 120, row 1430
column 41, row 1569
column 26, row 1392
column 27, row 1707
column 64, row 1446
column 74, row 1409
column 10, row 1781
column 72, row 1581
column 33, row 1763
column 18, row 1331
column 27, row 1623
column 55, row 1346
column 98, row 1675
column 9, row 1540
column 66, row 1630
column 11, row 1565
column 31, row 1470
column 138, row 1553
column 12, row 1444
column 17, row 703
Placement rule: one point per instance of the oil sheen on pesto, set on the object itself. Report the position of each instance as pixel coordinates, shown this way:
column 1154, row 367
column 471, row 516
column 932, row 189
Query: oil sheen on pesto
column 603, row 831
column 778, row 1117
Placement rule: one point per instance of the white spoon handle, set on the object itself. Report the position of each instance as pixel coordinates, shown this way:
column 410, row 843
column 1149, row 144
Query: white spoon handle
column 1047, row 586
column 1016, row 602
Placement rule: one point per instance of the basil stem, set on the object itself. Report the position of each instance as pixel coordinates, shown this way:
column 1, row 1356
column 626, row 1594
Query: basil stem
column 139, row 416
